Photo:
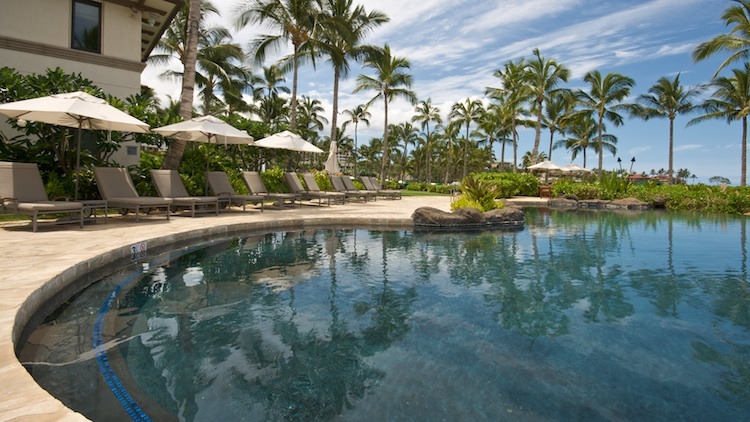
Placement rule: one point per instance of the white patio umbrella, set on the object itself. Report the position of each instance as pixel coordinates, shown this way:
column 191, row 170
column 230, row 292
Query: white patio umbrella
column 545, row 165
column 332, row 163
column 287, row 140
column 206, row 129
column 74, row 109
column 573, row 168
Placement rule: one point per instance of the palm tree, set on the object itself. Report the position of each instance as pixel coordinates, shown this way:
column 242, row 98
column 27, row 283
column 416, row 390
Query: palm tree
column 490, row 127
column 409, row 135
column 426, row 113
column 559, row 106
column 291, row 21
column 583, row 134
column 177, row 146
column 356, row 115
column 344, row 27
column 310, row 120
column 542, row 76
column 390, row 81
column 605, row 100
column 736, row 41
column 667, row 98
column 513, row 94
column 463, row 114
column 731, row 101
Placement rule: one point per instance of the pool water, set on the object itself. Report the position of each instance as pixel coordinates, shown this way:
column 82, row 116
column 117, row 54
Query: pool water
column 580, row 316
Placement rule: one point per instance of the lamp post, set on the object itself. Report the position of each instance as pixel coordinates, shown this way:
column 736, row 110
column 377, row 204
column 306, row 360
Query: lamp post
column 619, row 162
column 632, row 162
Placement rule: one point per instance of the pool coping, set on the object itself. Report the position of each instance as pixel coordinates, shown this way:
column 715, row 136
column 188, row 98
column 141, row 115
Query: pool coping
column 36, row 271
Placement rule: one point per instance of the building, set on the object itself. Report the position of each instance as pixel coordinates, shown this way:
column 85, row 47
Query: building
column 106, row 41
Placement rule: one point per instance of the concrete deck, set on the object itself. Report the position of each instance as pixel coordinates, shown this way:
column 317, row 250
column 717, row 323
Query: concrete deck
column 37, row 266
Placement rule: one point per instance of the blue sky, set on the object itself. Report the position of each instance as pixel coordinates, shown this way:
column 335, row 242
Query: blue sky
column 454, row 46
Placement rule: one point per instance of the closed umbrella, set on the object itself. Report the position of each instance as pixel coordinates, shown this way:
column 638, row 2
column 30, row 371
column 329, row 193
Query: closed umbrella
column 74, row 109
column 332, row 163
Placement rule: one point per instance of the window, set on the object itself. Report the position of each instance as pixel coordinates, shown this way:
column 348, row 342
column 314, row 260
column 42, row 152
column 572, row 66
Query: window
column 86, row 28
column 132, row 150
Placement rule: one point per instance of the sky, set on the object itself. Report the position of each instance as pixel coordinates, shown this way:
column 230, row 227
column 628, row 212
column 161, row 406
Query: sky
column 454, row 47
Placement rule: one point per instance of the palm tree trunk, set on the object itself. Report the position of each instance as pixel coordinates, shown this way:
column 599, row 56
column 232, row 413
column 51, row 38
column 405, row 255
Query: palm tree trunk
column 502, row 155
column 176, row 146
column 385, row 142
column 356, row 123
column 466, row 153
column 743, row 176
column 427, row 155
column 551, row 137
column 601, row 150
column 334, row 119
column 293, row 111
column 538, row 135
column 671, row 149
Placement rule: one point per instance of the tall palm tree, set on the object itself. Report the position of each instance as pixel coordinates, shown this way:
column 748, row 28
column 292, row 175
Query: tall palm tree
column 604, row 99
column 177, row 146
column 583, row 131
column 490, row 126
column 513, row 94
column 390, row 82
column 542, row 76
column 356, row 115
column 736, row 41
column 310, row 120
column 344, row 27
column 730, row 101
column 290, row 21
column 559, row 106
column 464, row 114
column 666, row 99
column 408, row 135
column 426, row 113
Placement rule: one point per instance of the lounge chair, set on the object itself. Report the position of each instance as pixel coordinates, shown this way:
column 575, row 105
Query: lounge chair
column 349, row 185
column 256, row 186
column 371, row 184
column 22, row 191
column 116, row 187
column 219, row 184
column 169, row 185
column 313, row 191
column 338, row 184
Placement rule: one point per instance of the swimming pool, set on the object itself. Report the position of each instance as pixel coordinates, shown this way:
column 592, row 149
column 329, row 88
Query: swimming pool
column 582, row 315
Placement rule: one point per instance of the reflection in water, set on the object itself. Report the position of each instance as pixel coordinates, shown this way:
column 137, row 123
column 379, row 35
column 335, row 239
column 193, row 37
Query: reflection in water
column 582, row 315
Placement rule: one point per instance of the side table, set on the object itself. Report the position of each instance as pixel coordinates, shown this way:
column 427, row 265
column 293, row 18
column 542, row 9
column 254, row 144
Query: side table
column 90, row 206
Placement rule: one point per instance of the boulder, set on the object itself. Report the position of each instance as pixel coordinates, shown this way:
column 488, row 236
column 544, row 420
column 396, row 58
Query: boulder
column 629, row 203
column 563, row 203
column 659, row 202
column 467, row 218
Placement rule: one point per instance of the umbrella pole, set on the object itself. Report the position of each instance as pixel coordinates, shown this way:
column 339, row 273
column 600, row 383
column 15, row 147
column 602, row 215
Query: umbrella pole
column 78, row 161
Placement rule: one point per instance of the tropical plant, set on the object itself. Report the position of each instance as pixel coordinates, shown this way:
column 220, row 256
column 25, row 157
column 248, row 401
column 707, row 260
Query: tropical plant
column 289, row 21
column 558, row 111
column 604, row 100
column 390, row 81
column 737, row 41
column 478, row 194
column 583, row 133
column 730, row 101
column 542, row 76
column 666, row 99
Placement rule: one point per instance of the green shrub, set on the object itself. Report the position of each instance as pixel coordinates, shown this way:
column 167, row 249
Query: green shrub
column 512, row 184
column 274, row 180
column 478, row 194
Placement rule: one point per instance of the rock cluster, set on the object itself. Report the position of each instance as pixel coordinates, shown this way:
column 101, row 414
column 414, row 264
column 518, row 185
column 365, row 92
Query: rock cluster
column 468, row 218
column 625, row 203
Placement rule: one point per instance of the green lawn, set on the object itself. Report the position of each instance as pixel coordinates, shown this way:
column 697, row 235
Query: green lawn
column 420, row 193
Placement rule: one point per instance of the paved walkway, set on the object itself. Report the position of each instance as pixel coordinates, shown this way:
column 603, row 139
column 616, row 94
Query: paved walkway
column 37, row 266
